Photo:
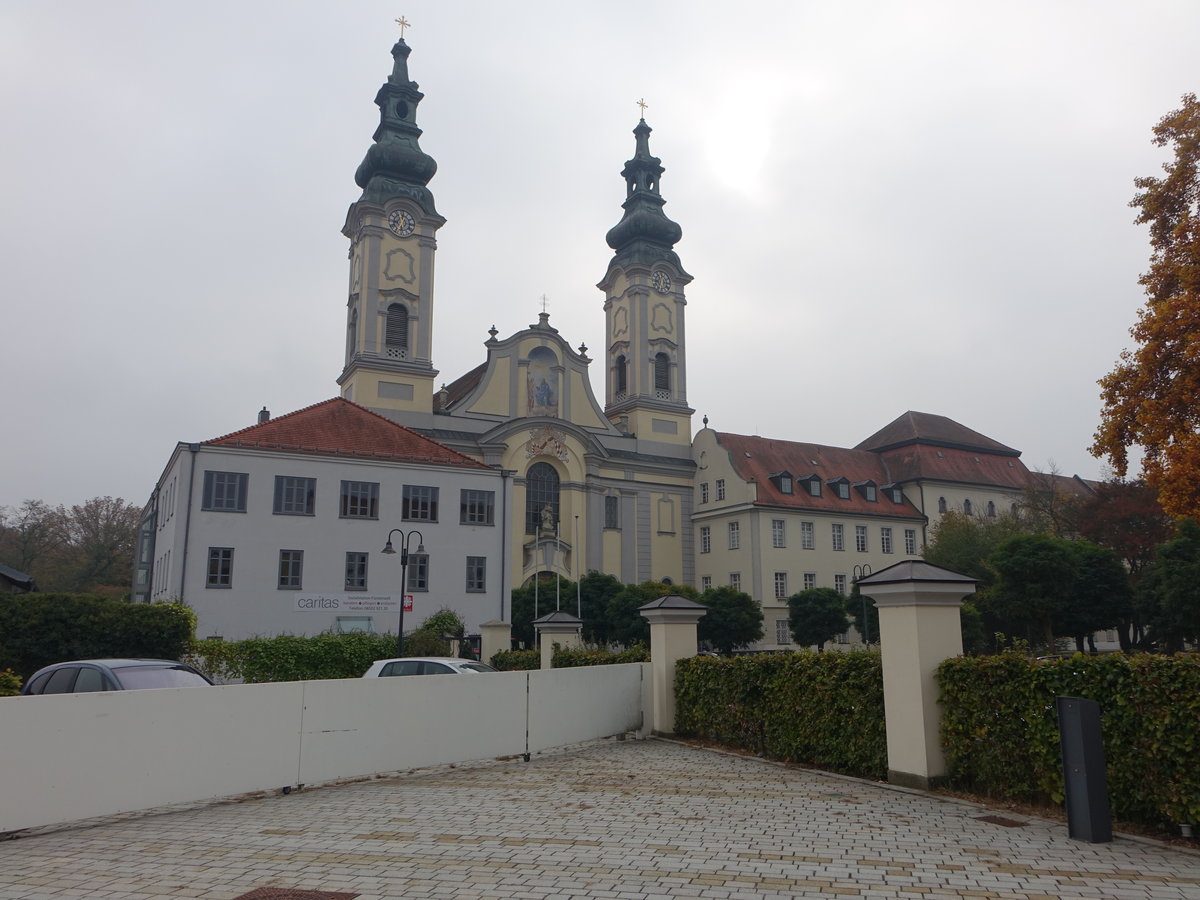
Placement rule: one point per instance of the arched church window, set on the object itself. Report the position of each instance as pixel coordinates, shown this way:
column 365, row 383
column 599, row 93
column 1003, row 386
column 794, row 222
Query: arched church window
column 967, row 508
column 941, row 504
column 541, row 497
column 396, row 334
column 662, row 376
column 351, row 334
column 622, row 377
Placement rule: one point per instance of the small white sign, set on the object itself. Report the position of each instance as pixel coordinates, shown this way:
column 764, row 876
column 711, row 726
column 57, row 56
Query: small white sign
column 346, row 603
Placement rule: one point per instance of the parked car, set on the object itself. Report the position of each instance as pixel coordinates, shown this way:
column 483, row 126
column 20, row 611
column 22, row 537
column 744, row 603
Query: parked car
column 85, row 675
column 425, row 665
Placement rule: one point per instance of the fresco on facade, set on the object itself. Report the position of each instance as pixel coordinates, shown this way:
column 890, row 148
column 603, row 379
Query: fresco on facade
column 541, row 383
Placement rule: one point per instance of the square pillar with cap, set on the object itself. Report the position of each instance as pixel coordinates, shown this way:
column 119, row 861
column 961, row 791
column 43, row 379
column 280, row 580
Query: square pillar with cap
column 494, row 636
column 560, row 628
column 673, row 636
column 919, row 627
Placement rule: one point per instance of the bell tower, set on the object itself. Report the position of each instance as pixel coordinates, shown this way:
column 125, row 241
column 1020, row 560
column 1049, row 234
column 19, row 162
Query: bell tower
column 646, row 378
column 392, row 229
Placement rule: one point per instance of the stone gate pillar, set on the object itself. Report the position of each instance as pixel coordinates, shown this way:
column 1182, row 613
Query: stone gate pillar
column 494, row 636
column 919, row 626
column 672, row 638
column 560, row 628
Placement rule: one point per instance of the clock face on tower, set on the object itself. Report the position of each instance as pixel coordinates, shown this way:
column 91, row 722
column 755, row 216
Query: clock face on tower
column 661, row 282
column 401, row 223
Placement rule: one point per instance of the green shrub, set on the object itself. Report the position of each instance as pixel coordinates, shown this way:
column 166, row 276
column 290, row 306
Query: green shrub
column 10, row 683
column 1000, row 731
column 566, row 657
column 39, row 629
column 516, row 660
column 819, row 709
column 292, row 657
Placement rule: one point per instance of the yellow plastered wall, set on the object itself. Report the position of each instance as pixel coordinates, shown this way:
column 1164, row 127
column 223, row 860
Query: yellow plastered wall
column 497, row 391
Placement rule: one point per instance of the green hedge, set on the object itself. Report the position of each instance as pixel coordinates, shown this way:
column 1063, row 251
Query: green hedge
column 516, row 660
column 1000, row 731
column 39, row 629
column 10, row 683
column 291, row 657
column 565, row 658
column 819, row 709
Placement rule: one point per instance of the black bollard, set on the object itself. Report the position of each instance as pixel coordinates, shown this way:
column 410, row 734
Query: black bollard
column 1088, row 817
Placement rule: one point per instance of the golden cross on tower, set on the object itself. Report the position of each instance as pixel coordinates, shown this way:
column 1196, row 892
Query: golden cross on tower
column 644, row 105
column 403, row 23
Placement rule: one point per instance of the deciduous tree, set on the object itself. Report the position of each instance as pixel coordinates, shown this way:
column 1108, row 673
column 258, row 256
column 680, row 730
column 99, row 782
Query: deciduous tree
column 1168, row 595
column 1152, row 398
column 815, row 616
column 733, row 619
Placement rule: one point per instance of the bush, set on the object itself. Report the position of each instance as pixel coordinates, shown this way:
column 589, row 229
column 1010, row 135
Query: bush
column 1000, row 731
column 291, row 657
column 567, row 657
column 10, row 683
column 820, row 709
column 37, row 630
column 516, row 660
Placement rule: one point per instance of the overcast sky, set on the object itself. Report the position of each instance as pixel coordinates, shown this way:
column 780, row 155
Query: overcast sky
column 885, row 205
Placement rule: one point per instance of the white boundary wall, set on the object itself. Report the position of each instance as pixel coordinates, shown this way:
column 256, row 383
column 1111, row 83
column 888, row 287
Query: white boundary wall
column 68, row 757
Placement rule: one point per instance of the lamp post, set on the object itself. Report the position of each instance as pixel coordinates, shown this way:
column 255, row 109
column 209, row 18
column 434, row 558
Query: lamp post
column 861, row 572
column 405, row 540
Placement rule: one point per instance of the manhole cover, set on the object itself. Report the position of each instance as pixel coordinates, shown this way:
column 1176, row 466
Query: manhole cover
column 1000, row 820
column 275, row 893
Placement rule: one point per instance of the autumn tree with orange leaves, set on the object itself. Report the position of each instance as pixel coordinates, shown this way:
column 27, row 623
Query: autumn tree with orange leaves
column 1152, row 397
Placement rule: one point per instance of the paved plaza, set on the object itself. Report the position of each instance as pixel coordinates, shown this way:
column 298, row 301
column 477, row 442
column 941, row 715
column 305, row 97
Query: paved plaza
column 612, row 819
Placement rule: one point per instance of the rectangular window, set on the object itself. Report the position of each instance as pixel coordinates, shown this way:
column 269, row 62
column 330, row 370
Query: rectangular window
column 778, row 533
column 476, row 574
column 418, row 571
column 225, row 491
column 735, row 535
column 781, row 586
column 720, row 488
column 705, row 539
column 885, row 539
column 612, row 512
column 360, row 500
column 910, row 541
column 704, row 492
column 356, row 571
column 814, row 487
column 420, row 503
column 843, row 638
column 735, row 580
column 808, row 540
column 839, row 537
column 477, row 507
column 810, row 580
column 220, row 567
column 291, row 569
column 705, row 583
column 839, row 583
column 295, row 496
column 860, row 538
column 783, row 634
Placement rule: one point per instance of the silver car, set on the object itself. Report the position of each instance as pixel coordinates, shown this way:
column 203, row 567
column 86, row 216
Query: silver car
column 84, row 675
column 425, row 665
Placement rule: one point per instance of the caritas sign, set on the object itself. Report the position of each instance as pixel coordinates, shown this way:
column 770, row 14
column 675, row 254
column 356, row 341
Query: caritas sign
column 346, row 603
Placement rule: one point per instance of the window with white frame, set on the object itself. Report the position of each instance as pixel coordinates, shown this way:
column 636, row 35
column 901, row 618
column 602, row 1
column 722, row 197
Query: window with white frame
column 783, row 633
column 838, row 533
column 910, row 541
column 860, row 538
column 356, row 571
column 735, row 580
column 735, row 535
column 476, row 507
column 781, row 590
column 808, row 539
column 705, row 539
column 295, row 496
column 612, row 511
column 839, row 583
column 418, row 571
column 291, row 569
column 885, row 539
column 220, row 567
column 810, row 580
column 225, row 491
column 814, row 487
column 360, row 500
column 720, row 488
column 705, row 583
column 420, row 503
column 704, row 492
column 476, row 574
column 778, row 533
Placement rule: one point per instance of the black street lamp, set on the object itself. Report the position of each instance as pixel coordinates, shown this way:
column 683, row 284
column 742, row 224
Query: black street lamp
column 860, row 572
column 405, row 540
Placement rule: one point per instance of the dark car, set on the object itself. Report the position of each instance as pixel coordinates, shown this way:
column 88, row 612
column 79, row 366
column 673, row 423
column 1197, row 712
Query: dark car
column 112, row 675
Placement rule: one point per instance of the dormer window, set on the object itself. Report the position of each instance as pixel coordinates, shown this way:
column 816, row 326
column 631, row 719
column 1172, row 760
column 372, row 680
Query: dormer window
column 841, row 487
column 868, row 490
column 782, row 482
column 894, row 492
column 814, row 485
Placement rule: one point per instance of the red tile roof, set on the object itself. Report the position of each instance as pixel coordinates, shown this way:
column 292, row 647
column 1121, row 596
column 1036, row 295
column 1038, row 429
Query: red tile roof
column 935, row 463
column 339, row 427
column 757, row 459
column 937, row 431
